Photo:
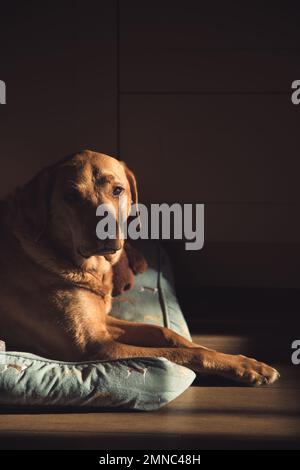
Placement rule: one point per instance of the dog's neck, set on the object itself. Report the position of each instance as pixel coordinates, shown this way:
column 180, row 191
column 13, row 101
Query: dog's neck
column 93, row 273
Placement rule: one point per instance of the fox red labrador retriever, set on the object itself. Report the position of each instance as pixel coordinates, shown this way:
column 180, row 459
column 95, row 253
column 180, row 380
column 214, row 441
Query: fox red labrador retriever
column 56, row 275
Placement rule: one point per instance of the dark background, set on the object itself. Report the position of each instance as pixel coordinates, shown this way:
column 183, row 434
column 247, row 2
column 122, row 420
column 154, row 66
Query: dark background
column 194, row 96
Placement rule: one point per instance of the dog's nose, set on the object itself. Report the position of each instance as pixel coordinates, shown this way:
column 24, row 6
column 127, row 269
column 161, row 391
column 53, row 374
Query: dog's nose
column 109, row 247
column 112, row 245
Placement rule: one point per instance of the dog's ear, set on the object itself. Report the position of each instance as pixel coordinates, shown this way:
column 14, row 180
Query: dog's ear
column 132, row 183
column 133, row 189
column 32, row 202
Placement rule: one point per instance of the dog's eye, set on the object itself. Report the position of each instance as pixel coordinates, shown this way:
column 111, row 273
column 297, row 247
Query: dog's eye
column 117, row 191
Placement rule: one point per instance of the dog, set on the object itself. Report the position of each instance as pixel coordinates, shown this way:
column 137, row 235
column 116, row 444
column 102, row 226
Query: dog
column 56, row 275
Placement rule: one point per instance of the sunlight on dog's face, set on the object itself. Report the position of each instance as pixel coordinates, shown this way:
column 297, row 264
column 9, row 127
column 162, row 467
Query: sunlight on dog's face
column 86, row 181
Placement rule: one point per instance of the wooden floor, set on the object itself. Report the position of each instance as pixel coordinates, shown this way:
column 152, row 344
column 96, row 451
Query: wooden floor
column 210, row 414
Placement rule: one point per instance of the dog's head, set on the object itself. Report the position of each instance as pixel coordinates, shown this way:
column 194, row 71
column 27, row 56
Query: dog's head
column 60, row 203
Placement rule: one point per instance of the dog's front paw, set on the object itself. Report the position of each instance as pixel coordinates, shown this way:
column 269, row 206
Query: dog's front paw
column 252, row 372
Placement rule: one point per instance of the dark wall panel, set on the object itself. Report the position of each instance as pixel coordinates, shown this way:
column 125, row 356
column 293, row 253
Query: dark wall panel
column 208, row 46
column 211, row 148
column 59, row 63
column 206, row 116
column 263, row 265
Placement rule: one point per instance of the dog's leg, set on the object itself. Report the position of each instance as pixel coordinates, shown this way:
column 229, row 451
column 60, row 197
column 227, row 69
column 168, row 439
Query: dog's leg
column 140, row 340
column 142, row 334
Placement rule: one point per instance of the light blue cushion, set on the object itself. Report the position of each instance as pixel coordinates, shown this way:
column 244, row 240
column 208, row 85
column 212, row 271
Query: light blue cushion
column 139, row 383
column 152, row 299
